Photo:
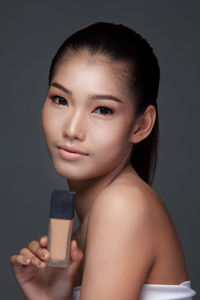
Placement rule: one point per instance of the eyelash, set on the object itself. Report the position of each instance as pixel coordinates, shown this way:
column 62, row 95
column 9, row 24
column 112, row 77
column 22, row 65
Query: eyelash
column 54, row 98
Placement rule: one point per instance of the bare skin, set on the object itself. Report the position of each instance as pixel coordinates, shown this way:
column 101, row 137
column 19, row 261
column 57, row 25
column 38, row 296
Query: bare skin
column 125, row 233
column 165, row 251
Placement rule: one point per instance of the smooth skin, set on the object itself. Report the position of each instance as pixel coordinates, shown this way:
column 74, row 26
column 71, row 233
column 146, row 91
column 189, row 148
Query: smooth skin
column 125, row 233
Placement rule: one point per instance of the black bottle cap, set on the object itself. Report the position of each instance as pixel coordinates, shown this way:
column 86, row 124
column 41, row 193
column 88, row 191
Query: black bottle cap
column 62, row 205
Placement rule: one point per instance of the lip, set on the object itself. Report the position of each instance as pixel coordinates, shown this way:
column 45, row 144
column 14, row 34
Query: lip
column 70, row 153
column 71, row 149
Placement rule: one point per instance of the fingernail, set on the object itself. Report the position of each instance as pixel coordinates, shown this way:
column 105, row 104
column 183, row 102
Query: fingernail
column 25, row 260
column 44, row 254
column 38, row 262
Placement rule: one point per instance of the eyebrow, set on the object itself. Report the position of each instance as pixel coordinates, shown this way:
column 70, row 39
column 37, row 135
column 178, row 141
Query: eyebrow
column 93, row 96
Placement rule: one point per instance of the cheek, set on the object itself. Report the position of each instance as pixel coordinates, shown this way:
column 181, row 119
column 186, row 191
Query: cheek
column 110, row 140
column 49, row 123
column 44, row 117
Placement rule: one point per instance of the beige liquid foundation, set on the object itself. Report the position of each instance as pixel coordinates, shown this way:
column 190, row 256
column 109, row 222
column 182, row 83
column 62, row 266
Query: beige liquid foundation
column 61, row 221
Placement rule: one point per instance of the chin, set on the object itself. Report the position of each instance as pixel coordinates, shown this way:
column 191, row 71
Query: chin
column 73, row 175
column 82, row 171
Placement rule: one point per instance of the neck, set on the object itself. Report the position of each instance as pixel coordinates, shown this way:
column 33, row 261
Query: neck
column 88, row 190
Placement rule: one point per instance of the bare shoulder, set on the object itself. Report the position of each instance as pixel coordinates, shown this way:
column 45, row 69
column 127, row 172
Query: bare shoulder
column 119, row 236
column 132, row 210
column 136, row 217
column 130, row 200
column 140, row 202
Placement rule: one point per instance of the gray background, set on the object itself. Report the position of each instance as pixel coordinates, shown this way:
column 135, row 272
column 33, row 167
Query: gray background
column 31, row 31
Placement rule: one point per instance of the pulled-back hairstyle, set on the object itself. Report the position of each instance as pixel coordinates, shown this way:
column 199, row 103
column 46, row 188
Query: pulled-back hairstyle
column 121, row 44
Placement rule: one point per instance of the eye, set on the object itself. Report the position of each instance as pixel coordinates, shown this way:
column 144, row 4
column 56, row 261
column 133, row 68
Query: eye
column 104, row 110
column 59, row 100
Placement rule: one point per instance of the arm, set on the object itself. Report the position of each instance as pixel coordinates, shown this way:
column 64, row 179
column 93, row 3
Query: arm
column 119, row 247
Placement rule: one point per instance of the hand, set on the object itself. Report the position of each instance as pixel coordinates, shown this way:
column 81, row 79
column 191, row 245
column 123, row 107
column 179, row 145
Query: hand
column 37, row 280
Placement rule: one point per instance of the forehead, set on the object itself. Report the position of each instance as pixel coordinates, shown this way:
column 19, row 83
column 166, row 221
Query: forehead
column 94, row 59
column 96, row 68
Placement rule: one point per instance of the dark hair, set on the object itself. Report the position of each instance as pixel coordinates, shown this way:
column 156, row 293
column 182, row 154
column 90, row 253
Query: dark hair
column 120, row 43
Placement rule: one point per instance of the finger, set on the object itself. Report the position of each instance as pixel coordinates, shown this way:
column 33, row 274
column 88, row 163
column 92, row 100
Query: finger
column 17, row 260
column 33, row 258
column 41, row 253
column 75, row 260
column 76, row 253
column 43, row 241
column 27, row 253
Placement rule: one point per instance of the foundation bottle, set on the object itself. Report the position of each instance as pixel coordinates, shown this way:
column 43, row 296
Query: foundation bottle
column 61, row 221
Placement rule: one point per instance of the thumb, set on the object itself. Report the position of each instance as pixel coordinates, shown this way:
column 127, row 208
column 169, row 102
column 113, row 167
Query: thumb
column 76, row 257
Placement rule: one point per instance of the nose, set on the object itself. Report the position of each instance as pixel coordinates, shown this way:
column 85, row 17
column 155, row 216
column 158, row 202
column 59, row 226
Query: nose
column 74, row 126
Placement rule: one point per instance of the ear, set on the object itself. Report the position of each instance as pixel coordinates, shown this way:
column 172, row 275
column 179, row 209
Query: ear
column 144, row 124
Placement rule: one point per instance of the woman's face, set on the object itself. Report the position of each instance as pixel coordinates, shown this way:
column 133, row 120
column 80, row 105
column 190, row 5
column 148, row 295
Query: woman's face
column 80, row 115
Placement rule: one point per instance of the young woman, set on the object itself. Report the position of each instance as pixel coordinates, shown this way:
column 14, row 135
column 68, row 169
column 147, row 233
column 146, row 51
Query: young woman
column 100, row 122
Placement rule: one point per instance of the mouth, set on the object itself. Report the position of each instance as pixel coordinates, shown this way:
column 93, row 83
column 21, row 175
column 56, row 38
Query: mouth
column 70, row 153
column 71, row 149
